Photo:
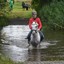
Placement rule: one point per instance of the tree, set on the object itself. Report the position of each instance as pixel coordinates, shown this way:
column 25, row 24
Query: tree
column 5, row 0
column 37, row 4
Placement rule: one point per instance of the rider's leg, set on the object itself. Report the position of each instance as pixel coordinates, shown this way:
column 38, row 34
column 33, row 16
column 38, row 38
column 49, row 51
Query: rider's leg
column 42, row 35
column 29, row 34
column 29, row 37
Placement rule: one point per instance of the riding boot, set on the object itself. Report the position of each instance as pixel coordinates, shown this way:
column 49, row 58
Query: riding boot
column 28, row 37
column 41, row 35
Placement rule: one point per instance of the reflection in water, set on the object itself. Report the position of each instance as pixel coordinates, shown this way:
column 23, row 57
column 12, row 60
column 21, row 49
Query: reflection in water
column 14, row 35
column 34, row 55
column 15, row 53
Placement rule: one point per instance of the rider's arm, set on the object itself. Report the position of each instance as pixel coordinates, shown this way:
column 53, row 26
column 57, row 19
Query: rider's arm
column 40, row 24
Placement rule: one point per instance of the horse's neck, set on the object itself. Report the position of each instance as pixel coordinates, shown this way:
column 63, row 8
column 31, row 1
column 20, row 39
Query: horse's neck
column 36, row 35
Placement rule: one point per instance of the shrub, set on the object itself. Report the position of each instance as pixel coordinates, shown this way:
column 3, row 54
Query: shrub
column 3, row 19
column 53, row 15
column 2, row 3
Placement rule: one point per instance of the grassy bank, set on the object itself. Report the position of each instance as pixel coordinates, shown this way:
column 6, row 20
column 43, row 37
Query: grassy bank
column 3, row 19
column 5, row 60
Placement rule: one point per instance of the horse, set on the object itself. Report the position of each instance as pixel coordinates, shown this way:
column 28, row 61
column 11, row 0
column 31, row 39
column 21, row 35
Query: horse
column 25, row 6
column 35, row 35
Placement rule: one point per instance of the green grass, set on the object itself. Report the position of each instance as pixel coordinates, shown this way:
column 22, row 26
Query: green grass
column 5, row 60
column 19, row 12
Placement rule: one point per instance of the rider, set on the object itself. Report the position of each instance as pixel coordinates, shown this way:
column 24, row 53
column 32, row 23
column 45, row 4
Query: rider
column 35, row 19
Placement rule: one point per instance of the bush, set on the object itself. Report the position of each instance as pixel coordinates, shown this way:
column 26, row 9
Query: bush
column 53, row 15
column 37, row 4
column 3, row 19
column 3, row 12
column 2, row 3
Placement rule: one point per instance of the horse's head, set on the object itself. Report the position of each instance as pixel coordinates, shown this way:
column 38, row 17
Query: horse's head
column 34, row 27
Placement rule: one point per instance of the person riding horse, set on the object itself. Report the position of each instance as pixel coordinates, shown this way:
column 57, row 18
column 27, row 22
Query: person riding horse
column 38, row 21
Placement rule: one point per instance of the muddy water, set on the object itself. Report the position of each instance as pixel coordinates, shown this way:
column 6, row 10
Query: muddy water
column 14, row 45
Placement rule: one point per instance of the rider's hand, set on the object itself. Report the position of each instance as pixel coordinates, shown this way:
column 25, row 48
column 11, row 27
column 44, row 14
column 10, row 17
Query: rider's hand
column 38, row 29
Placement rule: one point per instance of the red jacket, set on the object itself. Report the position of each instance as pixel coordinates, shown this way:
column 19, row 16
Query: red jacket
column 36, row 20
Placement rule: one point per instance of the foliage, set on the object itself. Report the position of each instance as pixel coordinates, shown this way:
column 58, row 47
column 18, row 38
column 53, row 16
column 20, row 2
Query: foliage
column 3, row 12
column 3, row 19
column 53, row 15
column 51, row 12
column 37, row 4
column 2, row 3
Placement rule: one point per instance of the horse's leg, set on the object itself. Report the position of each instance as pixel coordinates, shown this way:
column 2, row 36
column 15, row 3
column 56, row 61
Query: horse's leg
column 28, row 45
column 39, row 45
column 26, row 8
column 38, row 39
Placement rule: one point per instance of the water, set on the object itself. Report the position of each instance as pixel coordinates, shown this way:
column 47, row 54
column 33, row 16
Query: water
column 14, row 45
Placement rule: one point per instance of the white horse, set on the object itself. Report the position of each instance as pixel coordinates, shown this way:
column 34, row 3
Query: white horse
column 35, row 36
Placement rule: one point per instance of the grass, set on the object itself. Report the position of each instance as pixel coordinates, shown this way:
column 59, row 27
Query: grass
column 5, row 60
column 19, row 12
